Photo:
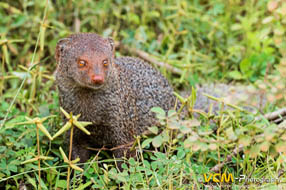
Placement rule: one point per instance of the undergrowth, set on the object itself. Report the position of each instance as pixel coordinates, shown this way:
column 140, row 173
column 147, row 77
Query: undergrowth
column 209, row 41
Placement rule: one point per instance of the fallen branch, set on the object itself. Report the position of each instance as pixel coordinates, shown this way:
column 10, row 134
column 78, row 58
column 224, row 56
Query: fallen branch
column 149, row 58
column 124, row 146
column 276, row 114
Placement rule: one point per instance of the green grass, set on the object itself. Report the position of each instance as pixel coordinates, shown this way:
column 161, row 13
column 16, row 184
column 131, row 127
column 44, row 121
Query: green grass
column 210, row 41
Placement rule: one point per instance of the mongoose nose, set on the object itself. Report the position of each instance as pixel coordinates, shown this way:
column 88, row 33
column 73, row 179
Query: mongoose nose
column 97, row 79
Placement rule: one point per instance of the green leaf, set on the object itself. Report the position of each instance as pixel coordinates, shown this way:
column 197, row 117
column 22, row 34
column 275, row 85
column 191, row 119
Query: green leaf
column 153, row 129
column 154, row 165
column 66, row 127
column 65, row 158
column 165, row 136
column 191, row 140
column 245, row 140
column 182, row 99
column 44, row 130
column 121, row 178
column 146, row 142
column 181, row 154
column 245, row 67
column 193, row 97
column 157, row 141
column 85, row 123
column 264, row 146
column 235, row 75
column 212, row 146
column 172, row 113
column 75, row 161
column 75, row 167
column 65, row 113
column 134, row 18
column 158, row 110
column 46, row 158
column 19, row 20
column 30, row 160
column 269, row 132
column 62, row 184
column 174, row 125
column 280, row 147
column 132, row 162
column 32, row 181
column 84, row 186
column 81, row 127
column 230, row 134
column 2, row 148
column 254, row 151
column 12, row 168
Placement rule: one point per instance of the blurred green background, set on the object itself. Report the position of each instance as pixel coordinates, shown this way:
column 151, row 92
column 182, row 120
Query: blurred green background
column 209, row 40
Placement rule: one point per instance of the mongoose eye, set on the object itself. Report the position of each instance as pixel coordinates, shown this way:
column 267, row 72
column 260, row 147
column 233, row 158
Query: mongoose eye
column 105, row 63
column 81, row 63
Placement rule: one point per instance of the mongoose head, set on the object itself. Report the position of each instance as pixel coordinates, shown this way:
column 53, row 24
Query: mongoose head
column 86, row 58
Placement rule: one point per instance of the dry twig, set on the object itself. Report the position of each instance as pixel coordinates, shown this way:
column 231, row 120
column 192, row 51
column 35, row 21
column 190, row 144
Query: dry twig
column 276, row 116
column 149, row 58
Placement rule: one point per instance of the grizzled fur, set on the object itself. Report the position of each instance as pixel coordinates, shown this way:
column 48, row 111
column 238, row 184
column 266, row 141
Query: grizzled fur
column 120, row 107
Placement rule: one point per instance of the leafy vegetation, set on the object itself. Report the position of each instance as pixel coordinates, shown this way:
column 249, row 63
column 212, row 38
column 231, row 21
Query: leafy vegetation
column 209, row 41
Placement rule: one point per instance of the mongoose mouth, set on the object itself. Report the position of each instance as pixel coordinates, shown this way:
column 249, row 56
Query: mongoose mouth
column 95, row 86
column 91, row 86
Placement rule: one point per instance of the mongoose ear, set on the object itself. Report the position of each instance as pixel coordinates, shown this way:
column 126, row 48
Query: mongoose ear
column 111, row 42
column 61, row 45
